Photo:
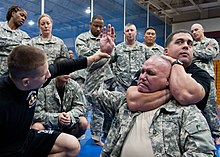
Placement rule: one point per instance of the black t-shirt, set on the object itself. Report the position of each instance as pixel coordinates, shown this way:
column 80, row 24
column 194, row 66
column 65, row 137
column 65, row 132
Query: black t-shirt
column 200, row 75
column 17, row 108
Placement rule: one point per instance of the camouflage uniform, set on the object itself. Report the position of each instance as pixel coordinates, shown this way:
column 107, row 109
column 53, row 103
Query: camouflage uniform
column 54, row 47
column 157, row 49
column 9, row 39
column 126, row 61
column 49, row 104
column 204, row 53
column 86, row 45
column 175, row 130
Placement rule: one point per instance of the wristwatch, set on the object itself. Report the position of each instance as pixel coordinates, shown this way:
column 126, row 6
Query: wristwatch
column 177, row 62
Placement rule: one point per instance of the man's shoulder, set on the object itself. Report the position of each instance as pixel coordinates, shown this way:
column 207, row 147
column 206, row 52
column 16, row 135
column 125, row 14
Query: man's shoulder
column 49, row 87
column 72, row 84
column 193, row 68
column 84, row 35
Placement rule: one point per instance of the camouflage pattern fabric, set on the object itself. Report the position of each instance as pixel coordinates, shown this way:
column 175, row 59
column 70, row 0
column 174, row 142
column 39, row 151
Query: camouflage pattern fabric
column 176, row 130
column 49, row 104
column 86, row 45
column 204, row 53
column 126, row 61
column 210, row 111
column 54, row 47
column 157, row 49
column 9, row 39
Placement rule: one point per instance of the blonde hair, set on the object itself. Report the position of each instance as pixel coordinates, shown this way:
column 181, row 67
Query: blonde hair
column 44, row 15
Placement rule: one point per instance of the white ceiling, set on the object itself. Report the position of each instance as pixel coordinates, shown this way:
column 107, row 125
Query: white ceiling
column 183, row 10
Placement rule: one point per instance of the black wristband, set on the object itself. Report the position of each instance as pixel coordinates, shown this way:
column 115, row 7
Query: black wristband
column 177, row 62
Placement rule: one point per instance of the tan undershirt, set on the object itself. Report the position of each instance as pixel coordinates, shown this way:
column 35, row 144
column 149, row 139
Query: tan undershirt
column 138, row 143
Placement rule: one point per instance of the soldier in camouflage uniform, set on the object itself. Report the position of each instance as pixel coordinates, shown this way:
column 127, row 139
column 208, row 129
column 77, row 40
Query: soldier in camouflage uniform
column 87, row 44
column 205, row 50
column 169, row 130
column 53, row 46
column 11, row 35
column 128, row 57
column 61, row 106
column 149, row 40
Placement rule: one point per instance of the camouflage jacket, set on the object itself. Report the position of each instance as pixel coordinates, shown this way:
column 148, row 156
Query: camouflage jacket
column 157, row 49
column 9, row 39
column 204, row 52
column 54, row 47
column 49, row 103
column 178, row 131
column 127, row 61
column 86, row 45
column 175, row 131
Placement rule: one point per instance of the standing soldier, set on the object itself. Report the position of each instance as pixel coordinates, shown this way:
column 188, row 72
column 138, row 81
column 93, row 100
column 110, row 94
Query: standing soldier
column 11, row 35
column 205, row 50
column 87, row 44
column 128, row 57
column 149, row 40
column 53, row 46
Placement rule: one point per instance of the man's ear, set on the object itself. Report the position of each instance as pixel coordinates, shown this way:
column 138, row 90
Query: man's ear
column 25, row 81
column 165, row 51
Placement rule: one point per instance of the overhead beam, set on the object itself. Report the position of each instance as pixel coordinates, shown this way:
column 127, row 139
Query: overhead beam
column 151, row 2
column 172, row 9
column 195, row 5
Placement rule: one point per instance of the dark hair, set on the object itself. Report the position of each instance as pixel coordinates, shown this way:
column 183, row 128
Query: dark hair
column 99, row 17
column 13, row 8
column 24, row 59
column 150, row 27
column 60, row 58
column 170, row 37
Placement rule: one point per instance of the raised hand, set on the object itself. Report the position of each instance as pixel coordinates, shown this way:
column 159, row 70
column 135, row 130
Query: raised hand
column 107, row 38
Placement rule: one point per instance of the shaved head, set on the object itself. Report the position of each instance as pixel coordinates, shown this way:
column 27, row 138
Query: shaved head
column 197, row 31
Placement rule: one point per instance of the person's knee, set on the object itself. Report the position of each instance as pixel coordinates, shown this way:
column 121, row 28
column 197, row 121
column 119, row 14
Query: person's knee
column 73, row 147
column 83, row 123
column 68, row 144
column 38, row 126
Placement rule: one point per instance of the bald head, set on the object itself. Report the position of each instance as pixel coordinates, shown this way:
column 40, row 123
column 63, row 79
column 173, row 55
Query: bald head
column 197, row 32
column 155, row 74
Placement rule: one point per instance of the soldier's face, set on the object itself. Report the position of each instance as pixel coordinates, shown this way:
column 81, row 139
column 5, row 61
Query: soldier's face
column 130, row 33
column 45, row 25
column 181, row 47
column 96, row 27
column 154, row 76
column 150, row 36
column 197, row 32
column 18, row 18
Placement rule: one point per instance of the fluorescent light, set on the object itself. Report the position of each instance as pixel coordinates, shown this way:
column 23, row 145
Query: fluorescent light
column 88, row 11
column 31, row 22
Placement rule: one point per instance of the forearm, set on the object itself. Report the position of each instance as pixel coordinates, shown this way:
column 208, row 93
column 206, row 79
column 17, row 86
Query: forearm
column 96, row 57
column 183, row 87
column 146, row 101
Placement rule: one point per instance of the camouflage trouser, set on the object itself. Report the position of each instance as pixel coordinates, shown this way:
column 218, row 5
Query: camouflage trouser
column 210, row 112
column 100, row 123
column 3, row 65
